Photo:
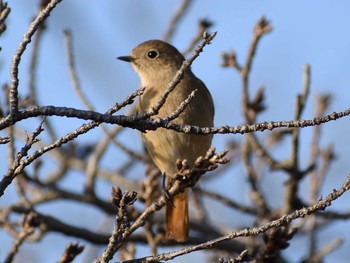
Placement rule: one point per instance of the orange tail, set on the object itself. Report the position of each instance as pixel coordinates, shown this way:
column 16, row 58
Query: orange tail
column 177, row 218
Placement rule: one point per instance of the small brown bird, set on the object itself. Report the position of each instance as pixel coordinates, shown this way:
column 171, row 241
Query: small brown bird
column 156, row 62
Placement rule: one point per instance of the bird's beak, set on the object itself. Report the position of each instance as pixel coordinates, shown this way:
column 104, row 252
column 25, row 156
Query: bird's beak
column 126, row 58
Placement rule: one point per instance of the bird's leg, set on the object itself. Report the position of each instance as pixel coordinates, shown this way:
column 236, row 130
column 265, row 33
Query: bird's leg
column 165, row 192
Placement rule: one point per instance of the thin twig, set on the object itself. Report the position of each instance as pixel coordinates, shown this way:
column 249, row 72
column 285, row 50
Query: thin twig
column 226, row 201
column 5, row 140
column 70, row 253
column 122, row 222
column 327, row 249
column 174, row 21
column 4, row 12
column 43, row 14
column 33, row 98
column 256, row 195
column 251, row 145
column 181, row 107
column 72, row 70
column 317, row 176
column 28, row 227
column 34, row 61
column 203, row 26
column 15, row 167
column 291, row 187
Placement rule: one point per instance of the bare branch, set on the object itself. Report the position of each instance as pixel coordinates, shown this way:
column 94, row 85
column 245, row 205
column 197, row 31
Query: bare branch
column 327, row 249
column 203, row 26
column 226, row 201
column 136, row 121
column 122, row 222
column 72, row 70
column 70, row 253
column 16, row 166
column 28, row 228
column 4, row 140
column 174, row 21
column 248, row 232
column 41, row 17
column 181, row 107
column 4, row 12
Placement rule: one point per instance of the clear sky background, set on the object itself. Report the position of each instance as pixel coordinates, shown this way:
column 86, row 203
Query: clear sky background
column 313, row 32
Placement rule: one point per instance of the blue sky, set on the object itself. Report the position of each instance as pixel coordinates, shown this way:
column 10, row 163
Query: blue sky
column 313, row 32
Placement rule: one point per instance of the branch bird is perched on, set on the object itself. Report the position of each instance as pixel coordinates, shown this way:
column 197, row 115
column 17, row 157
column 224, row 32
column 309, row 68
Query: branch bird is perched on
column 157, row 62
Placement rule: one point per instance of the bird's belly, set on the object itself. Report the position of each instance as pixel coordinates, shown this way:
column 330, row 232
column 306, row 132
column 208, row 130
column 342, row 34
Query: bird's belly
column 165, row 147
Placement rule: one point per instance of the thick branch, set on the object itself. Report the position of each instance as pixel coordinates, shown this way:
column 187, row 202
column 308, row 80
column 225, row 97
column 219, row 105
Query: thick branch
column 153, row 124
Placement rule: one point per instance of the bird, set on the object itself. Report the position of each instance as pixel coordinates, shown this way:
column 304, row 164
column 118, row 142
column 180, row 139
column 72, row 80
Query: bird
column 156, row 63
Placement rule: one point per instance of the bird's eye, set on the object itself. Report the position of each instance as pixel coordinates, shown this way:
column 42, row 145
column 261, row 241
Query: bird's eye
column 152, row 54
